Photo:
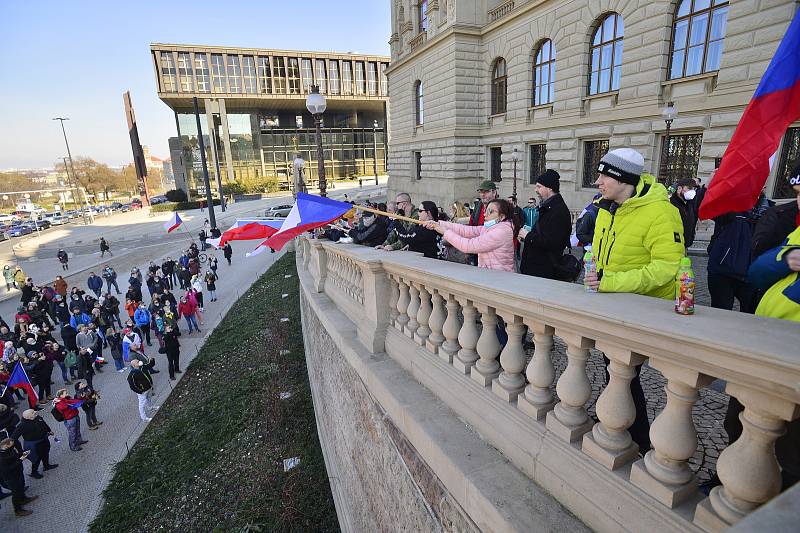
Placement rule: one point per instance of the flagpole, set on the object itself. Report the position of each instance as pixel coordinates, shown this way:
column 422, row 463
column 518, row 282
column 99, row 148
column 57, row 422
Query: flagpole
column 390, row 215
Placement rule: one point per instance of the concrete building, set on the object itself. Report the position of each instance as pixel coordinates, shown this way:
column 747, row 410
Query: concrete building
column 253, row 102
column 563, row 81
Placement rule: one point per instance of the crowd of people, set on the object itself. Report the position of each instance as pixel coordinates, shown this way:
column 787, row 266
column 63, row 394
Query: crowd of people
column 638, row 232
column 77, row 330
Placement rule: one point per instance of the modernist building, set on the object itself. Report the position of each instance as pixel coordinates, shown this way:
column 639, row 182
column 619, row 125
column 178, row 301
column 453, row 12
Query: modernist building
column 253, row 103
column 563, row 81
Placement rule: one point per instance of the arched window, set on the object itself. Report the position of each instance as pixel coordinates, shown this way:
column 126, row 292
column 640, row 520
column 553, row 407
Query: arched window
column 697, row 37
column 419, row 103
column 499, row 81
column 606, row 55
column 544, row 73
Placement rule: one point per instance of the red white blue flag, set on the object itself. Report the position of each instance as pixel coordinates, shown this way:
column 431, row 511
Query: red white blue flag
column 774, row 106
column 173, row 223
column 309, row 212
column 19, row 380
column 245, row 230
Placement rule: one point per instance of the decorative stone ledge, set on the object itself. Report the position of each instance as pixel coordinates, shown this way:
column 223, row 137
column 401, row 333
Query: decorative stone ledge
column 500, row 11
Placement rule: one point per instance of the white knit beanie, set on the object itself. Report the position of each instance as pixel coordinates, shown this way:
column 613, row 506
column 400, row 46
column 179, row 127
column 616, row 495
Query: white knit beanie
column 623, row 164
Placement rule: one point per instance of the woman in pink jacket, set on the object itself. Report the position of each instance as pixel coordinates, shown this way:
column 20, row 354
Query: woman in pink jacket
column 493, row 242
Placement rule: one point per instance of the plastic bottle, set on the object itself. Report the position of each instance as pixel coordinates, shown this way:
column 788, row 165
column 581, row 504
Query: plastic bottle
column 589, row 266
column 684, row 288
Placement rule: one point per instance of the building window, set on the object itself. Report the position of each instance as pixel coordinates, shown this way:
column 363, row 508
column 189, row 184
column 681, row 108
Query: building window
column 682, row 156
column 593, row 151
column 697, row 37
column 384, row 80
column 538, row 161
column 218, row 73
column 249, row 74
column 347, row 78
column 372, row 79
column 418, row 165
column 499, row 80
column 544, row 74
column 234, row 74
column 307, row 71
column 333, row 76
column 279, row 75
column 496, row 158
column 419, row 107
column 360, row 87
column 168, row 72
column 321, row 77
column 294, row 76
column 790, row 159
column 423, row 15
column 607, row 55
column 185, row 72
column 265, row 75
column 201, row 73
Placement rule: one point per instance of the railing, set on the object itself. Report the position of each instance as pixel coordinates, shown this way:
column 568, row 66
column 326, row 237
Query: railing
column 418, row 41
column 501, row 11
column 444, row 318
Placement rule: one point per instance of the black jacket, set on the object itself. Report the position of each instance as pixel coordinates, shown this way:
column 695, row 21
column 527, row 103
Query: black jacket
column 372, row 235
column 139, row 381
column 420, row 239
column 773, row 228
column 688, row 217
column 545, row 243
column 31, row 430
column 11, row 469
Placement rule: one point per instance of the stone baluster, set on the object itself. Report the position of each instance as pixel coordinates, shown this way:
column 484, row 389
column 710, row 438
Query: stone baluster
column 486, row 367
column 402, row 305
column 609, row 443
column 748, row 468
column 569, row 419
column 664, row 472
column 423, row 316
column 394, row 296
column 510, row 383
column 467, row 338
column 436, row 323
column 537, row 399
column 450, row 330
column 413, row 309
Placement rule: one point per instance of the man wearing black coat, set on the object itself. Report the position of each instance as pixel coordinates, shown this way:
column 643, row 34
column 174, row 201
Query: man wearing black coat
column 371, row 230
column 779, row 221
column 13, row 477
column 683, row 199
column 545, row 243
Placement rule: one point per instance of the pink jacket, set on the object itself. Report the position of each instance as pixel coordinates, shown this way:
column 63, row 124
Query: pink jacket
column 494, row 246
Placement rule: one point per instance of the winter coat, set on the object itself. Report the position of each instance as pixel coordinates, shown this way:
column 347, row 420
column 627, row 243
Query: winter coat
column 546, row 241
column 60, row 285
column 142, row 317
column 393, row 239
column 227, row 251
column 371, row 235
column 688, row 217
column 8, row 275
column 771, row 273
column 135, row 282
column 95, row 282
column 82, row 318
column 11, row 473
column 65, row 407
column 773, row 228
column 171, row 344
column 31, row 430
column 109, row 274
column 115, row 345
column 420, row 239
column 139, row 381
column 494, row 245
column 68, row 335
column 638, row 245
column 19, row 276
column 27, row 294
column 186, row 309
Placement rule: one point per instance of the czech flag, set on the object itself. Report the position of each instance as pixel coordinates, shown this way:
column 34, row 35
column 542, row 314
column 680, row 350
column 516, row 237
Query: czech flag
column 774, row 106
column 309, row 212
column 173, row 223
column 245, row 230
column 19, row 380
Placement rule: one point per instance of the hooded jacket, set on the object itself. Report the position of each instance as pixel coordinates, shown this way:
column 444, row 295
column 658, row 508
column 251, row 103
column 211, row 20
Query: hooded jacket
column 494, row 245
column 142, row 317
column 770, row 271
column 638, row 245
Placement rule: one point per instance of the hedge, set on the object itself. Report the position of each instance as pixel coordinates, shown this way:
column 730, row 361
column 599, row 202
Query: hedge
column 179, row 206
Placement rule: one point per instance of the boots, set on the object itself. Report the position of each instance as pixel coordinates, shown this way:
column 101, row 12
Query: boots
column 49, row 467
column 23, row 512
column 36, row 475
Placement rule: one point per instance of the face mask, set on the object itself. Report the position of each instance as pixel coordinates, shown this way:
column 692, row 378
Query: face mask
column 690, row 194
column 490, row 223
column 367, row 221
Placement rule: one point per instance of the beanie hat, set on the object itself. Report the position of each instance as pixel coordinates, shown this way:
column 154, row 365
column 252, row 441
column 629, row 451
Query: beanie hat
column 794, row 177
column 550, row 179
column 623, row 164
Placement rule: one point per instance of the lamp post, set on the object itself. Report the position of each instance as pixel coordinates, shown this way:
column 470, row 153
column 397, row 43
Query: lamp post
column 316, row 105
column 668, row 114
column 375, row 149
column 515, row 157
column 72, row 167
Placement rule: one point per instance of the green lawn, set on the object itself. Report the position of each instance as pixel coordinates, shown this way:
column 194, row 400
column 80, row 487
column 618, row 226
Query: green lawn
column 212, row 459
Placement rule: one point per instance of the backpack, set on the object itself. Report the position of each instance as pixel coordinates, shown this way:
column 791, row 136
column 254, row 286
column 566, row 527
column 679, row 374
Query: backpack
column 729, row 253
column 567, row 267
column 71, row 359
column 59, row 417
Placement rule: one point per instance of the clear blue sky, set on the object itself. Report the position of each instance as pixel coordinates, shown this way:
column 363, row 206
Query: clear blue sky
column 75, row 59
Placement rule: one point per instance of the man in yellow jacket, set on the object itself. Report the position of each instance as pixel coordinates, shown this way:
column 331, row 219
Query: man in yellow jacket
column 638, row 246
column 778, row 272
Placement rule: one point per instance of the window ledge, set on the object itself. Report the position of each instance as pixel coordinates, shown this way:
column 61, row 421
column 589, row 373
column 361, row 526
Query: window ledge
column 540, row 112
column 503, row 114
column 698, row 85
column 600, row 102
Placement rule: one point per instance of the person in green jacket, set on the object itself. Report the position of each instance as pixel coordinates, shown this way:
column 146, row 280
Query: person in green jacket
column 393, row 242
column 778, row 272
column 638, row 246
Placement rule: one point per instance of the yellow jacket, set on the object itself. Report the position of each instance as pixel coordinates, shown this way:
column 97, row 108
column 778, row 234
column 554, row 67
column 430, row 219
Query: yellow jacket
column 782, row 300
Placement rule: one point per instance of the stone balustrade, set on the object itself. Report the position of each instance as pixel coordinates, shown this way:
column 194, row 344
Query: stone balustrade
column 418, row 41
column 501, row 11
column 439, row 322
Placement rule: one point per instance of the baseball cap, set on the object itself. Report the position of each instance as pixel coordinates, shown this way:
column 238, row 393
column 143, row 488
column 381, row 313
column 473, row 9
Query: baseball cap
column 487, row 185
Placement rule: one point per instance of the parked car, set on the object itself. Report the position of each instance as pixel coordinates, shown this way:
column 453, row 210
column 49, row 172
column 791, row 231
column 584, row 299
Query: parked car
column 135, row 204
column 58, row 220
column 7, row 219
column 278, row 211
column 19, row 231
column 4, row 236
column 116, row 206
column 155, row 200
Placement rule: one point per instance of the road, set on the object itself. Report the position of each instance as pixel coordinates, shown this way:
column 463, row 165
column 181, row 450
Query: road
column 69, row 496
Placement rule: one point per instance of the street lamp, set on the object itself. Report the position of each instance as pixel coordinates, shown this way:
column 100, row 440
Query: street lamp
column 375, row 149
column 316, row 105
column 668, row 114
column 515, row 157
column 72, row 167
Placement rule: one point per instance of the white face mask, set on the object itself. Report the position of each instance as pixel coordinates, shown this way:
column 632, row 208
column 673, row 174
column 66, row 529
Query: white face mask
column 689, row 195
column 490, row 223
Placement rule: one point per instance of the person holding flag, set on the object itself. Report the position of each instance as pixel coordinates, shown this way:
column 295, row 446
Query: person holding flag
column 67, row 407
column 173, row 223
column 19, row 380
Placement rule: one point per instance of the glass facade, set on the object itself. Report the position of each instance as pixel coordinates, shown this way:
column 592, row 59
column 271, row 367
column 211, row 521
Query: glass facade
column 185, row 72
column 294, row 76
column 218, row 73
column 234, row 75
column 360, row 87
column 249, row 74
column 201, row 73
column 308, row 75
column 347, row 78
column 333, row 76
column 265, row 75
column 168, row 72
column 321, row 77
column 279, row 75
column 372, row 79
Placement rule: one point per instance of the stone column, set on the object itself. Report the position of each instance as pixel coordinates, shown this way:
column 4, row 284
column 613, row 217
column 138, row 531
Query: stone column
column 436, row 323
column 450, row 330
column 467, row 338
column 511, row 382
column 537, row 400
column 569, row 419
column 487, row 368
column 413, row 309
column 394, row 295
column 609, row 442
column 319, row 265
column 376, row 291
column 423, row 316
column 402, row 305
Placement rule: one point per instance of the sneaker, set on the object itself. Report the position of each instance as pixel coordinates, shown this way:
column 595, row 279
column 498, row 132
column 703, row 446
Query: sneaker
column 92, row 428
column 50, row 466
column 36, row 475
column 122, row 370
column 148, row 419
column 98, row 423
column 84, row 442
column 77, row 449
column 29, row 499
column 23, row 512
column 154, row 371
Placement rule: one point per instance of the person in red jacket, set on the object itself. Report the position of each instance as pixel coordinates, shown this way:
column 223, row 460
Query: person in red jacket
column 186, row 309
column 72, row 421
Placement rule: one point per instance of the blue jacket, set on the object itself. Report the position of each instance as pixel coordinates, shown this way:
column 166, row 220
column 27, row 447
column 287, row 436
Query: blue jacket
column 95, row 282
column 142, row 317
column 83, row 319
column 134, row 282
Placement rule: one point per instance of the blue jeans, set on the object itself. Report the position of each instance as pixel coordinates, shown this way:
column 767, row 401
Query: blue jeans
column 191, row 320
column 73, row 426
column 119, row 364
column 109, row 283
column 63, row 368
column 213, row 294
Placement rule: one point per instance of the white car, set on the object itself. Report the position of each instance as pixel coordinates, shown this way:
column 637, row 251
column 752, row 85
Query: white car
column 281, row 211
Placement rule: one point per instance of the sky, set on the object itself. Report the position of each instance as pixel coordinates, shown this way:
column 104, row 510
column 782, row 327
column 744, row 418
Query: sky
column 76, row 59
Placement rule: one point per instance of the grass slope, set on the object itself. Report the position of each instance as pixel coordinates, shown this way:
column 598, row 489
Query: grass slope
column 212, row 459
